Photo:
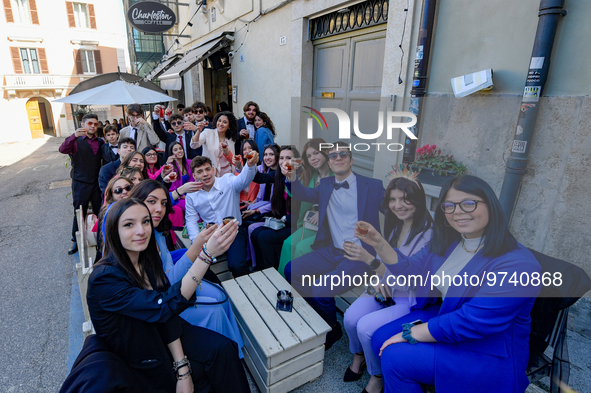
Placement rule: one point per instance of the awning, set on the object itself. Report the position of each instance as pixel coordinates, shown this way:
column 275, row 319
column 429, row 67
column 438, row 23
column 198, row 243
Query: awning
column 171, row 79
column 163, row 66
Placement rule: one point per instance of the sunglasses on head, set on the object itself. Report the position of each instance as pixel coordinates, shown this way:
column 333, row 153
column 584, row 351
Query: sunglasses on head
column 176, row 123
column 118, row 191
column 271, row 145
column 342, row 154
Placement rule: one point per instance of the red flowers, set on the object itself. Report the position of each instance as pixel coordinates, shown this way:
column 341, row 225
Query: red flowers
column 428, row 150
column 428, row 156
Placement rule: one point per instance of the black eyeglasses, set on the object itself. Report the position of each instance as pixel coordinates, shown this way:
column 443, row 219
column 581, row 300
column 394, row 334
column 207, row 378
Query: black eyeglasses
column 118, row 191
column 468, row 206
column 176, row 123
column 151, row 155
column 342, row 154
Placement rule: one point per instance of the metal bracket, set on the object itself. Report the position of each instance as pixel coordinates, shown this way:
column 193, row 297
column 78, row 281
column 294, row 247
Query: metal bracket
column 170, row 35
column 172, row 2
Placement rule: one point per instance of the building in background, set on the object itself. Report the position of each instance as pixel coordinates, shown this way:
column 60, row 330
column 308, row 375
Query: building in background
column 49, row 47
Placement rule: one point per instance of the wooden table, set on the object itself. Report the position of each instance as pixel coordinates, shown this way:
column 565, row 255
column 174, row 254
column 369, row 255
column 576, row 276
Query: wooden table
column 283, row 350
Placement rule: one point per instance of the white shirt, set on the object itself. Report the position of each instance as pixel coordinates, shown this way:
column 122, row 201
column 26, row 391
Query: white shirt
column 114, row 148
column 132, row 133
column 183, row 143
column 342, row 213
column 222, row 200
column 456, row 262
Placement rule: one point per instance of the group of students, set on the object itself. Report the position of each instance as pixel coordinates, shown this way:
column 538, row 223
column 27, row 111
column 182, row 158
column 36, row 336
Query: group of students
column 406, row 335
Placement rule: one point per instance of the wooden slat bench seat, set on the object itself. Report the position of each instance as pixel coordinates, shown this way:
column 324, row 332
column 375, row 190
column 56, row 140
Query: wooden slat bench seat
column 283, row 350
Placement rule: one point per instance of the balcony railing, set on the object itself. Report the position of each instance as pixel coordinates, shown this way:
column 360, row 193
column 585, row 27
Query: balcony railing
column 37, row 81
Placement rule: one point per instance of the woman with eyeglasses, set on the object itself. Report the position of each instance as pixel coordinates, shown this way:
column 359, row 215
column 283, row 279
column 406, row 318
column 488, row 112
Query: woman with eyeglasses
column 212, row 309
column 217, row 143
column 153, row 167
column 408, row 223
column 314, row 167
column 135, row 309
column 180, row 174
column 264, row 130
column 267, row 242
column 466, row 314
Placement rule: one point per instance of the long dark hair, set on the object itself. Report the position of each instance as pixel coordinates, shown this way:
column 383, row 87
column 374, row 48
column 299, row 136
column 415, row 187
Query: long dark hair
column 232, row 132
column 415, row 194
column 174, row 164
column 279, row 205
column 252, row 145
column 145, row 151
column 308, row 170
column 125, row 162
column 275, row 149
column 149, row 259
column 267, row 123
column 498, row 239
column 143, row 190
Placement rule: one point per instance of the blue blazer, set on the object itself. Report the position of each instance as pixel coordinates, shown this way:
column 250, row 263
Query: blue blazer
column 482, row 331
column 107, row 172
column 263, row 136
column 370, row 193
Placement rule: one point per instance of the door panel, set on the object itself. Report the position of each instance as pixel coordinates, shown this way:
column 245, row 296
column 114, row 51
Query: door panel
column 351, row 68
column 34, row 118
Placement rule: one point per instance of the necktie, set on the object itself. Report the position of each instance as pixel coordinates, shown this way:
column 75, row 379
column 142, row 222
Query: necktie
column 135, row 134
column 181, row 141
column 344, row 185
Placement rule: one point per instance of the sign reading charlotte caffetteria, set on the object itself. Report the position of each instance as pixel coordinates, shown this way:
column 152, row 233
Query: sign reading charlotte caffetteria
column 151, row 17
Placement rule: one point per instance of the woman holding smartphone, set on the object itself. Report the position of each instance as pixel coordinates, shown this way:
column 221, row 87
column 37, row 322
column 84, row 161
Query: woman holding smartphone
column 484, row 328
column 134, row 309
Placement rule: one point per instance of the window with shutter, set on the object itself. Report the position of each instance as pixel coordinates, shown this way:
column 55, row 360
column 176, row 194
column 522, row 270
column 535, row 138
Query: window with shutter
column 97, row 61
column 43, row 61
column 91, row 16
column 78, row 60
column 16, row 60
column 71, row 17
column 20, row 11
column 8, row 11
column 34, row 14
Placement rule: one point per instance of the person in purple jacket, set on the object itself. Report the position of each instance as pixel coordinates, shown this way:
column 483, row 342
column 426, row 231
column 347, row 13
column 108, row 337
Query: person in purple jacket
column 475, row 289
column 409, row 224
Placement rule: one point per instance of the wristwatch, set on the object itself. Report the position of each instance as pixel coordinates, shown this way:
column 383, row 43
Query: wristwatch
column 374, row 264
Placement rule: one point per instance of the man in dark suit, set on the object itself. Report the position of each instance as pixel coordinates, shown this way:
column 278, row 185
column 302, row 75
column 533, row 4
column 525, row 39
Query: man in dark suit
column 161, row 124
column 246, row 124
column 110, row 150
column 183, row 136
column 107, row 172
column 84, row 147
column 343, row 199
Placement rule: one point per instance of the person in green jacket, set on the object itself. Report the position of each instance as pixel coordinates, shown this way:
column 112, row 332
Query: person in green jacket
column 314, row 168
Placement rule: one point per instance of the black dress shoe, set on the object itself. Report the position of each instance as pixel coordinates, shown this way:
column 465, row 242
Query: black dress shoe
column 351, row 376
column 333, row 336
column 74, row 249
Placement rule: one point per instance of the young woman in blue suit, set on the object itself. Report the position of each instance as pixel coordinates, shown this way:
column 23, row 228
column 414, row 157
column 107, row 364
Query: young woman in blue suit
column 134, row 309
column 477, row 338
column 265, row 130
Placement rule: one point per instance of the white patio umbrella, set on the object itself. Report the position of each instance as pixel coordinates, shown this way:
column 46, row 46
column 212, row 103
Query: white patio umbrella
column 116, row 93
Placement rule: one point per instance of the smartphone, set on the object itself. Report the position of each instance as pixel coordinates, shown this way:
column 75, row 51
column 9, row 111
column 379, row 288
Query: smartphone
column 417, row 322
column 162, row 113
column 309, row 215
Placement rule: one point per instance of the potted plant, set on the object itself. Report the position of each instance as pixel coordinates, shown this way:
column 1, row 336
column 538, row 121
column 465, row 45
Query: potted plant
column 80, row 112
column 436, row 168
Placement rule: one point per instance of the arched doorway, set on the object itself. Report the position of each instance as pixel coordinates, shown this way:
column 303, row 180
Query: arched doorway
column 40, row 117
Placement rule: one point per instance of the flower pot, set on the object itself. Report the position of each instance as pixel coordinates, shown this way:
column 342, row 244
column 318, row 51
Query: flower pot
column 431, row 176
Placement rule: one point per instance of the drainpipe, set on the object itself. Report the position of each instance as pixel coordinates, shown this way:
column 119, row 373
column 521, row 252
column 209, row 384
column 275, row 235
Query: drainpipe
column 419, row 82
column 516, row 166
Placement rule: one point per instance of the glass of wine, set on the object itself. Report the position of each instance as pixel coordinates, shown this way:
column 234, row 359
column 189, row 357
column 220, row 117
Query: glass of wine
column 172, row 176
column 227, row 220
column 362, row 229
column 249, row 155
column 224, row 145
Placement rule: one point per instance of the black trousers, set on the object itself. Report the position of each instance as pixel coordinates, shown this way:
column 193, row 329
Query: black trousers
column 82, row 193
column 214, row 360
column 267, row 244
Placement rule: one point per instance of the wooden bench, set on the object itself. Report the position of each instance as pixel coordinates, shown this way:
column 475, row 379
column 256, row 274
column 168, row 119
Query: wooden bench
column 283, row 350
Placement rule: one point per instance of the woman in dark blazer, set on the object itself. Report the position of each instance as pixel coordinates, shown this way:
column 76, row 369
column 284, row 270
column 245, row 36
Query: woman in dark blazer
column 134, row 309
column 477, row 339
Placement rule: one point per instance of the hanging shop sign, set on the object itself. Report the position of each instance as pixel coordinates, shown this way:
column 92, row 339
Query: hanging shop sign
column 151, row 17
